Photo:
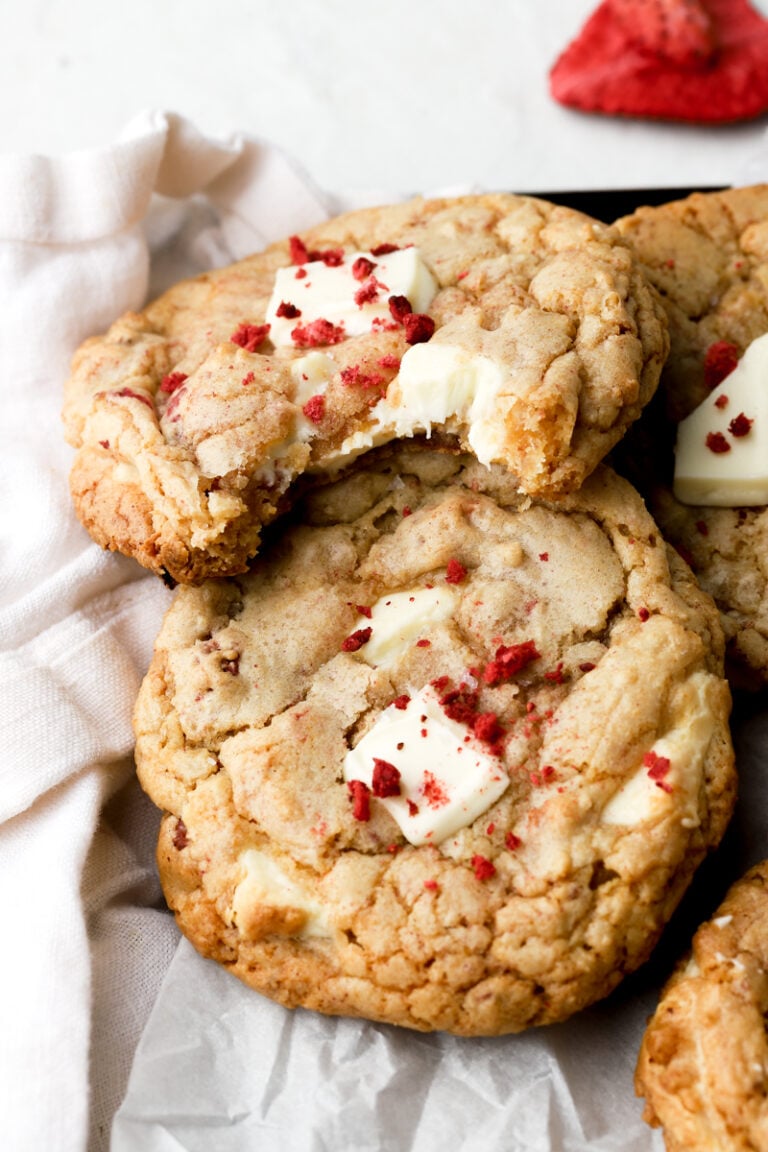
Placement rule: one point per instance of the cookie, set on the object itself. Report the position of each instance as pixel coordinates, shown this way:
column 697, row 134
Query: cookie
column 708, row 257
column 447, row 756
column 703, row 1066
column 667, row 60
column 521, row 330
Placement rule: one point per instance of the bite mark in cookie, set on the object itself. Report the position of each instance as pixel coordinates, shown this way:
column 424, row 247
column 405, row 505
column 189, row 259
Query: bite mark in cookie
column 202, row 402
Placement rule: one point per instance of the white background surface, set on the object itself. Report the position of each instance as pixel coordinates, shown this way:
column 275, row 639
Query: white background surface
column 402, row 95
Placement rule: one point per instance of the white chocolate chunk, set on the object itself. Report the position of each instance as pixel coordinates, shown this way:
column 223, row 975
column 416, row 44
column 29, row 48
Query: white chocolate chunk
column 447, row 775
column 402, row 618
column 685, row 746
column 441, row 382
column 328, row 293
column 311, row 374
column 722, row 921
column 266, row 883
column 738, row 477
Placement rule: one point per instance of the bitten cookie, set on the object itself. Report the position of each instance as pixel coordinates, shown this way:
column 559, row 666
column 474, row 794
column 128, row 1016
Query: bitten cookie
column 446, row 757
column 522, row 330
column 708, row 257
column 703, row 1065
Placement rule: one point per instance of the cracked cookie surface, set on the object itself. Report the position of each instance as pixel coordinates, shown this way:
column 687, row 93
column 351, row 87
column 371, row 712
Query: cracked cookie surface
column 703, row 1065
column 187, row 442
column 708, row 258
column 559, row 617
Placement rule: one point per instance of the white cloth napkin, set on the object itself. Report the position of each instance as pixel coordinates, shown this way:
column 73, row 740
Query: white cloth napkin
column 83, row 947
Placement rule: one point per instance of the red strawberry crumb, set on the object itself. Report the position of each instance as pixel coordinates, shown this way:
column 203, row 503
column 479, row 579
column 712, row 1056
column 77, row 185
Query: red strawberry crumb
column 487, row 728
column 386, row 779
column 287, row 310
column 314, row 409
column 389, row 361
column 483, row 867
column 104, row 443
column 455, row 572
column 393, row 848
column 440, row 683
column 399, row 307
column 431, row 885
column 364, row 610
column 460, row 704
column 587, row 666
column 555, row 676
column 367, row 292
column 248, row 378
column 180, row 837
column 512, row 842
column 318, row 332
column 129, row 392
column 413, row 808
column 722, row 401
column 418, row 328
column 353, row 377
column 433, row 792
column 717, row 443
column 490, row 829
column 643, row 614
column 250, row 336
column 406, row 510
column 361, row 799
column 508, row 661
column 740, row 425
column 380, row 324
column 301, row 273
column 384, row 249
column 333, row 257
column 423, row 643
column 719, row 361
column 463, row 275
column 402, row 701
column 298, row 250
column 544, row 556
column 658, row 767
column 548, row 772
column 702, row 527
column 362, row 268
column 172, row 381
column 356, row 640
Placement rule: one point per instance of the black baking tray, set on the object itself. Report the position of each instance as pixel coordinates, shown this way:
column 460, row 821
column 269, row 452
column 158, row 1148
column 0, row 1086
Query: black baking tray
column 609, row 206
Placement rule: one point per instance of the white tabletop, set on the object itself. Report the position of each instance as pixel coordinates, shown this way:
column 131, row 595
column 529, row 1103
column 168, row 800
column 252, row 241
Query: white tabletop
column 398, row 96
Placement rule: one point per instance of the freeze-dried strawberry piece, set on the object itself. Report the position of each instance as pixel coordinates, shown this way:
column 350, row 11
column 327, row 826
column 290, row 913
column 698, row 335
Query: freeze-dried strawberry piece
column 678, row 30
column 720, row 360
column 250, row 336
column 702, row 62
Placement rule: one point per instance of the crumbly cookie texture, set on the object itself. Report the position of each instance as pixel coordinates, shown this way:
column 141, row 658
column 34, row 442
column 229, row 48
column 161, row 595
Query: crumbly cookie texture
column 708, row 258
column 187, row 442
column 703, row 1066
column 560, row 617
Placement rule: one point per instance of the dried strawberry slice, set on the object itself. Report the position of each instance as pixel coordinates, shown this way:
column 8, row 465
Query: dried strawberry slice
column 664, row 61
column 677, row 30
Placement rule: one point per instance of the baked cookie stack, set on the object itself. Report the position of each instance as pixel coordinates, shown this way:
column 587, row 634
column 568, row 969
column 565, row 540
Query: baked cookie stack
column 437, row 720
